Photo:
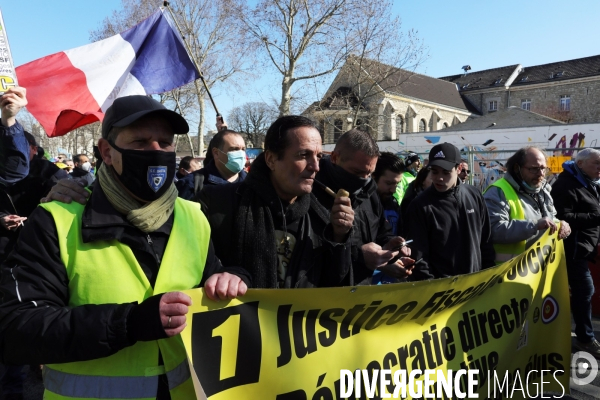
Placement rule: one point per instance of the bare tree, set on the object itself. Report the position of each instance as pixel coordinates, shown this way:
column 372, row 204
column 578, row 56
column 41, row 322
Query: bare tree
column 384, row 59
column 303, row 39
column 253, row 119
column 215, row 41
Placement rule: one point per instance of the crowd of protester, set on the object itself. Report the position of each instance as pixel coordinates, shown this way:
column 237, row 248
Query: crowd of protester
column 91, row 278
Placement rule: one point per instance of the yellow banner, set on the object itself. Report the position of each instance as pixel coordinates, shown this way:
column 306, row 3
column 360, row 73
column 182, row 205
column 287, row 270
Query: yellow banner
column 511, row 323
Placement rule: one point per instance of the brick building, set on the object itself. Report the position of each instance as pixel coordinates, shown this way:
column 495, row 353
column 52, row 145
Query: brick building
column 567, row 91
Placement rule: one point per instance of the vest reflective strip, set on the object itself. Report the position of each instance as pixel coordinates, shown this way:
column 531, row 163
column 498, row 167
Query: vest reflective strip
column 179, row 374
column 111, row 387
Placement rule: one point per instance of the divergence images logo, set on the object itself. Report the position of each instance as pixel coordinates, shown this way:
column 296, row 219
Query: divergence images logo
column 549, row 309
column 584, row 368
column 157, row 177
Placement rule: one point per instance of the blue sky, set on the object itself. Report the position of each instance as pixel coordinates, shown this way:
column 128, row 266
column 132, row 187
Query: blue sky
column 481, row 34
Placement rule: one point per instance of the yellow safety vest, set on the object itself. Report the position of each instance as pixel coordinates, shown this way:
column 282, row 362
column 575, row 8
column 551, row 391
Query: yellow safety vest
column 107, row 272
column 407, row 178
column 506, row 251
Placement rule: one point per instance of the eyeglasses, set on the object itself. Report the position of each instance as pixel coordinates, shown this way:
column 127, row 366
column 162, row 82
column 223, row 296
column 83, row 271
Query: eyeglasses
column 534, row 170
column 467, row 171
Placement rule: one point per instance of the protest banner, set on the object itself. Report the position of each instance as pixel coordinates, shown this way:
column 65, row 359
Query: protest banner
column 511, row 323
column 8, row 77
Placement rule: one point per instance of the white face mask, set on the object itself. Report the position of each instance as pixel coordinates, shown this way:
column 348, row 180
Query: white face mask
column 86, row 166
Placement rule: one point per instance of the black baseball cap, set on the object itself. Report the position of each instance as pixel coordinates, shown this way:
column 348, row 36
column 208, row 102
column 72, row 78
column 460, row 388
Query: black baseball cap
column 126, row 110
column 445, row 155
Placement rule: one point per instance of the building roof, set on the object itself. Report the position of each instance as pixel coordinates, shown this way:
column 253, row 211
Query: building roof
column 489, row 78
column 402, row 82
column 512, row 117
column 558, row 71
column 497, row 77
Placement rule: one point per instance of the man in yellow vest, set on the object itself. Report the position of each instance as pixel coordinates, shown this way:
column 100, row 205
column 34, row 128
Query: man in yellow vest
column 412, row 163
column 93, row 291
column 520, row 206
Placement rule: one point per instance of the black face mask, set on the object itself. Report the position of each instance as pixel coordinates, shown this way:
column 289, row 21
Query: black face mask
column 348, row 181
column 146, row 173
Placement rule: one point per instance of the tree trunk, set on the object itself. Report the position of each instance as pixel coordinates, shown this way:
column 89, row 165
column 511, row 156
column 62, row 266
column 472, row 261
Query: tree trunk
column 286, row 96
column 191, row 144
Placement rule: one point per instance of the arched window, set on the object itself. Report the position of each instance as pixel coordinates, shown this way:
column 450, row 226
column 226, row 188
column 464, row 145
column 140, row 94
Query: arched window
column 445, row 125
column 399, row 125
column 338, row 125
column 422, row 125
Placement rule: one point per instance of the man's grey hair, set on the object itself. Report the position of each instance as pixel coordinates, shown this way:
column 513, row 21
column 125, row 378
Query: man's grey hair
column 586, row 153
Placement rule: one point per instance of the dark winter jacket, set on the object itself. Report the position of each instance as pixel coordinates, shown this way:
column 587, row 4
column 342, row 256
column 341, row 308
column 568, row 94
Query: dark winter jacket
column 22, row 197
column 577, row 202
column 410, row 194
column 319, row 263
column 451, row 232
column 37, row 325
column 370, row 224
column 14, row 154
column 210, row 176
column 82, row 173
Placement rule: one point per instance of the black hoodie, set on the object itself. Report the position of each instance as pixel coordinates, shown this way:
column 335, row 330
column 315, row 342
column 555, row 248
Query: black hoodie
column 451, row 232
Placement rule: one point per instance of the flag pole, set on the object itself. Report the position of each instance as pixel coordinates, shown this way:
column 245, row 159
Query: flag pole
column 168, row 7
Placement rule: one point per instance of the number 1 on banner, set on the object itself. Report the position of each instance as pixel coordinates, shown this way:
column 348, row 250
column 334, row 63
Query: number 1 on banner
column 229, row 332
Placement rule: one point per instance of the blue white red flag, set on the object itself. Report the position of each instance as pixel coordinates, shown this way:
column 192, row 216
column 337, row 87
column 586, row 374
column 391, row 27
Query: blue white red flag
column 73, row 88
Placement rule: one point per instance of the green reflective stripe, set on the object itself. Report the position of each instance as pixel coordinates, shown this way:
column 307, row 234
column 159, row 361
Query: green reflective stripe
column 179, row 374
column 100, row 387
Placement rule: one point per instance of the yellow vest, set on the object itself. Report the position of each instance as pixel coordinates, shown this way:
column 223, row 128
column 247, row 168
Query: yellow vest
column 405, row 180
column 107, row 272
column 506, row 251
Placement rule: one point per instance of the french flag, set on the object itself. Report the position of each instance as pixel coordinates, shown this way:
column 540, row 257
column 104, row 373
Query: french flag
column 74, row 88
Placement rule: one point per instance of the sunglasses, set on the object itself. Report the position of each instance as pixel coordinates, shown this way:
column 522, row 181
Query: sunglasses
column 468, row 171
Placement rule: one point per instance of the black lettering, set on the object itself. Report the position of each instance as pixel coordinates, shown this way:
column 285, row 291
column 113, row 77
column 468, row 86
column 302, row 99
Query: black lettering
column 466, row 336
column 509, row 326
column 283, row 329
column 448, row 343
column 376, row 320
column 430, row 303
column 428, row 352
column 365, row 316
column 344, row 329
column 330, row 325
column 534, row 267
column 309, row 327
column 495, row 323
column 402, row 313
